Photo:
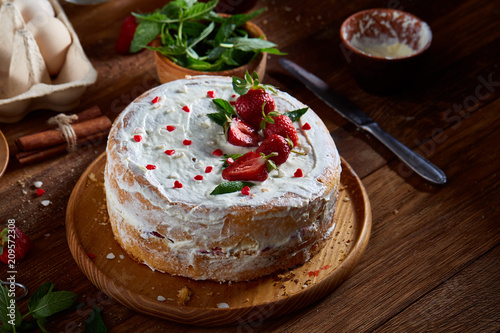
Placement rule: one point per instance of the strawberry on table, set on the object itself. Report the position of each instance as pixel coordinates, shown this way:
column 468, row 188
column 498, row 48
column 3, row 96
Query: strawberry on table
column 275, row 144
column 251, row 166
column 281, row 125
column 14, row 240
column 126, row 36
column 240, row 133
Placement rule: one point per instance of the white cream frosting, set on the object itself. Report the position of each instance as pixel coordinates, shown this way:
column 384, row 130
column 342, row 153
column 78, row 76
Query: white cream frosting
column 150, row 120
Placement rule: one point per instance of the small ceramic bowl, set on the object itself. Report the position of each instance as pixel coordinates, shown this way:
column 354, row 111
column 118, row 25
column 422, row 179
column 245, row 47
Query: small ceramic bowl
column 169, row 71
column 384, row 48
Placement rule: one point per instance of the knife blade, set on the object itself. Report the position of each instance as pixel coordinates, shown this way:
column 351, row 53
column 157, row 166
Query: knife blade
column 351, row 112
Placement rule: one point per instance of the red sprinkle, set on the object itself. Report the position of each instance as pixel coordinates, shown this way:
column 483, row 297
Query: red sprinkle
column 232, row 102
column 177, row 184
column 186, row 108
column 169, row 152
column 91, row 255
column 150, row 167
column 306, row 126
column 170, row 128
column 208, row 169
column 326, row 267
column 187, row 142
column 198, row 177
column 211, row 94
column 155, row 100
column 233, row 96
column 39, row 192
column 230, row 160
column 313, row 273
column 245, row 190
column 298, row 173
column 218, row 152
column 137, row 138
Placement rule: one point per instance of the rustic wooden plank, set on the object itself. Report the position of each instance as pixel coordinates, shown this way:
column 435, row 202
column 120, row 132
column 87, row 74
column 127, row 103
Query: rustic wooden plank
column 416, row 244
column 462, row 303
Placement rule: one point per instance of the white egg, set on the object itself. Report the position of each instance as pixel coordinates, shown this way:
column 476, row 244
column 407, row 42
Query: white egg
column 34, row 8
column 53, row 39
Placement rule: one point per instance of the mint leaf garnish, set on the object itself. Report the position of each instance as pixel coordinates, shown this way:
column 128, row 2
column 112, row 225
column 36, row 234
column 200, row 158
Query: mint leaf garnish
column 225, row 111
column 296, row 114
column 229, row 187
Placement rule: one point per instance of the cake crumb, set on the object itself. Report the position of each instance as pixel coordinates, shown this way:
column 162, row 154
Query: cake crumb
column 286, row 277
column 161, row 298
column 110, row 256
column 92, row 177
column 45, row 202
column 210, row 293
column 346, row 199
column 38, row 184
column 223, row 305
column 184, row 295
column 395, row 212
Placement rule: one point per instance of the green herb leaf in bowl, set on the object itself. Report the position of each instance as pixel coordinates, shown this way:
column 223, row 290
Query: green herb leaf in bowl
column 193, row 36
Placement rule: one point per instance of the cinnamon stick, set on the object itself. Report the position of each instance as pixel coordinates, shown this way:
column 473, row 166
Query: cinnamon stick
column 42, row 154
column 53, row 137
column 93, row 112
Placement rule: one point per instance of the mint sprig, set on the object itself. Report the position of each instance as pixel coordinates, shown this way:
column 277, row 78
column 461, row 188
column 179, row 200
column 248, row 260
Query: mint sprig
column 44, row 303
column 225, row 112
column 242, row 85
column 229, row 187
column 193, row 36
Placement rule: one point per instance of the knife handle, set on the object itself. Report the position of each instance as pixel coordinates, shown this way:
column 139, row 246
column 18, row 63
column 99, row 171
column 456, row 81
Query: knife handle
column 414, row 161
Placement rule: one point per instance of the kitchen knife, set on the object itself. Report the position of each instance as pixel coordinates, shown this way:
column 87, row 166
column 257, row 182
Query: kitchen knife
column 351, row 112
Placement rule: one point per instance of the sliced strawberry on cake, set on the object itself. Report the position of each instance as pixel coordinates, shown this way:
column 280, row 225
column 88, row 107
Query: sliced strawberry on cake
column 240, row 133
column 252, row 166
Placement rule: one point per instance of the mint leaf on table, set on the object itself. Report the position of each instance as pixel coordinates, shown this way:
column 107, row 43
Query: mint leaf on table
column 94, row 323
column 52, row 303
column 43, row 290
column 7, row 302
column 296, row 114
column 229, row 187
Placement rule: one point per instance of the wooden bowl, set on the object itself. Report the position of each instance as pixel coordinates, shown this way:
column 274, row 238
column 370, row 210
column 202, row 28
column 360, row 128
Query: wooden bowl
column 371, row 39
column 169, row 71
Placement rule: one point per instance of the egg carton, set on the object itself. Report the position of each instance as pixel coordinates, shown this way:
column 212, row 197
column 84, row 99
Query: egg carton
column 29, row 86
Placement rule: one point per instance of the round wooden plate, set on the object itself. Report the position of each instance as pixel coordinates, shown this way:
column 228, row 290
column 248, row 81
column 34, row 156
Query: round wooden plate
column 139, row 288
column 4, row 153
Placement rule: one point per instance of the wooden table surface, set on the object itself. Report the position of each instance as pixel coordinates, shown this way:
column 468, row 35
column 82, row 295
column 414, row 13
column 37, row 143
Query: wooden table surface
column 433, row 259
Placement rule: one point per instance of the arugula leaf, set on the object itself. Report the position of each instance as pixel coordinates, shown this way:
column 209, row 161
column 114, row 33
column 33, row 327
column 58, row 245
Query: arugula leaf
column 43, row 290
column 94, row 323
column 6, row 303
column 146, row 31
column 52, row 303
column 296, row 114
column 229, row 187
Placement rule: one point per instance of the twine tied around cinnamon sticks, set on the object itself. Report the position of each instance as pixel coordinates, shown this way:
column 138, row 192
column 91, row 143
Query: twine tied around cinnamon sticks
column 74, row 131
column 63, row 122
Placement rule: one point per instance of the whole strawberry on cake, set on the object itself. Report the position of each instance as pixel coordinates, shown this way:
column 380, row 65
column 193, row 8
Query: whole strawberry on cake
column 218, row 178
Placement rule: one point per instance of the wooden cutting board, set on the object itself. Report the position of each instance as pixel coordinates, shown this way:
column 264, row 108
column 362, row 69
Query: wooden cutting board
column 139, row 288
